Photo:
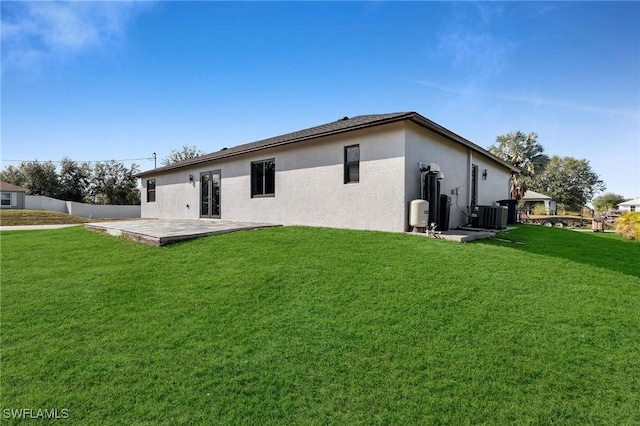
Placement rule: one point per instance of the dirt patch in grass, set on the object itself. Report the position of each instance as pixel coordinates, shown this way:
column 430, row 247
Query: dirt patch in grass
column 37, row 217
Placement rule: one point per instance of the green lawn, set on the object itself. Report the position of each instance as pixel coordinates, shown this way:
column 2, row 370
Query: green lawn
column 317, row 326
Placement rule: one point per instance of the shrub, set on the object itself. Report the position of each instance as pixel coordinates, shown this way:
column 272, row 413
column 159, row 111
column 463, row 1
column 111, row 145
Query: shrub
column 628, row 225
column 539, row 209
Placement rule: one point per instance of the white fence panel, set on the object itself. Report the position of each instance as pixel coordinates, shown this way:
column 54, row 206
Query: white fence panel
column 103, row 211
column 39, row 202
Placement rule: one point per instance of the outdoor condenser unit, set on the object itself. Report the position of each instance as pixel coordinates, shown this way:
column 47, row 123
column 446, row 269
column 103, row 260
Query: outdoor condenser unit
column 490, row 217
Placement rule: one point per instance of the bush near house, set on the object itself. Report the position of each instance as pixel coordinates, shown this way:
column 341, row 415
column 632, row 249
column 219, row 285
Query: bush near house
column 628, row 225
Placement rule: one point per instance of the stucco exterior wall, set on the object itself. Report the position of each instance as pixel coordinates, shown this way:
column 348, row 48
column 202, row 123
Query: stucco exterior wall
column 453, row 159
column 455, row 162
column 496, row 185
column 310, row 188
column 309, row 185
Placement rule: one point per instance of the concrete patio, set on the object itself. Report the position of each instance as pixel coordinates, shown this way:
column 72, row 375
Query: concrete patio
column 463, row 235
column 163, row 232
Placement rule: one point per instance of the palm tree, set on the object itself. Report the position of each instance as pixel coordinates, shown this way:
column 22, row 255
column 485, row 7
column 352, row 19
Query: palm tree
column 525, row 153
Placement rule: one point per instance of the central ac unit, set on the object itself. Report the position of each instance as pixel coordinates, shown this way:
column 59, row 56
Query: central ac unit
column 490, row 217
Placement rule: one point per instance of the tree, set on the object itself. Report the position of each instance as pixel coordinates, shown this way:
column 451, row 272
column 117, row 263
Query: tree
column 13, row 175
column 569, row 181
column 525, row 153
column 39, row 178
column 185, row 153
column 113, row 183
column 74, row 180
column 607, row 201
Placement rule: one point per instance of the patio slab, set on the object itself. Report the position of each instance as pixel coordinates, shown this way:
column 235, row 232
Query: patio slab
column 163, row 232
column 464, row 235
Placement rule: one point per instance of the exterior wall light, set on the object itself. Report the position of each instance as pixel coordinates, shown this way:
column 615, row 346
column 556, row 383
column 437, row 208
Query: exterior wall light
column 484, row 174
column 190, row 178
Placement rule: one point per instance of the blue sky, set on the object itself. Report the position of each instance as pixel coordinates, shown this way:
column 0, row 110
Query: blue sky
column 121, row 80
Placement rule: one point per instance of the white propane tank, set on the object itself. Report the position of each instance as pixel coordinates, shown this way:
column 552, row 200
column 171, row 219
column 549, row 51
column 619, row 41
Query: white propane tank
column 419, row 214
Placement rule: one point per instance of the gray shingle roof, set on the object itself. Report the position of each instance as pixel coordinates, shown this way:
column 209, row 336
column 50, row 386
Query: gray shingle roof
column 340, row 126
column 5, row 186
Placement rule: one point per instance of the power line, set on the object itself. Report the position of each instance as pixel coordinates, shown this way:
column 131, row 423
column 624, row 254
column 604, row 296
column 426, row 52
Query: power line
column 60, row 161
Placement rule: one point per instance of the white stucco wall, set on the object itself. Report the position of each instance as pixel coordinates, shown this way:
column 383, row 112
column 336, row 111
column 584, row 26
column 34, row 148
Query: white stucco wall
column 309, row 187
column 496, row 186
column 455, row 162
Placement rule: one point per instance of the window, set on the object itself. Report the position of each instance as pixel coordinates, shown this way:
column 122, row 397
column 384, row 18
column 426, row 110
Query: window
column 6, row 199
column 263, row 178
column 352, row 163
column 151, row 191
column 631, row 209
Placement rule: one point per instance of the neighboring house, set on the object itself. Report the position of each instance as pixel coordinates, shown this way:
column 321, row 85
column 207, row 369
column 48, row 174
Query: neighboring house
column 358, row 173
column 532, row 198
column 630, row 206
column 11, row 196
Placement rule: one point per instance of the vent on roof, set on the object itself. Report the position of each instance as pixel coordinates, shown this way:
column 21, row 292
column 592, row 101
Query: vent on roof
column 345, row 118
column 224, row 149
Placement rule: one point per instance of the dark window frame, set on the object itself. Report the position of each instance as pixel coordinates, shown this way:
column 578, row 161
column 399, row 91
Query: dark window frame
column 351, row 165
column 151, row 192
column 263, row 178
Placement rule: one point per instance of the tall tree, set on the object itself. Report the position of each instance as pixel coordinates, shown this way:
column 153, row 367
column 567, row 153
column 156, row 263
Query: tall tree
column 607, row 201
column 187, row 152
column 74, row 180
column 525, row 153
column 13, row 175
column 113, row 183
column 569, row 181
column 40, row 178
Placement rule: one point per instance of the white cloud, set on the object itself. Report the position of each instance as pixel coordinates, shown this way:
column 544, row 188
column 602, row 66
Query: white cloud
column 36, row 31
column 477, row 51
column 468, row 41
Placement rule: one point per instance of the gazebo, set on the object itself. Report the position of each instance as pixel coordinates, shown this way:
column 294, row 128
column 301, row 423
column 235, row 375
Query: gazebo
column 532, row 198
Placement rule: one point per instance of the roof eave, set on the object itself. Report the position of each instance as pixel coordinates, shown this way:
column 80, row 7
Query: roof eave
column 442, row 131
column 413, row 116
column 221, row 154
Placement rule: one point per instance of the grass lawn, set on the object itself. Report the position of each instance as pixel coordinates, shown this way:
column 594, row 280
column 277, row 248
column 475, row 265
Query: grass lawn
column 317, row 326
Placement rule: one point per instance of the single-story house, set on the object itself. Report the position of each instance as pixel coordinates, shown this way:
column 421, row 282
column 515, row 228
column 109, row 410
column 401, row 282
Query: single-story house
column 357, row 173
column 630, row 205
column 12, row 196
column 531, row 198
